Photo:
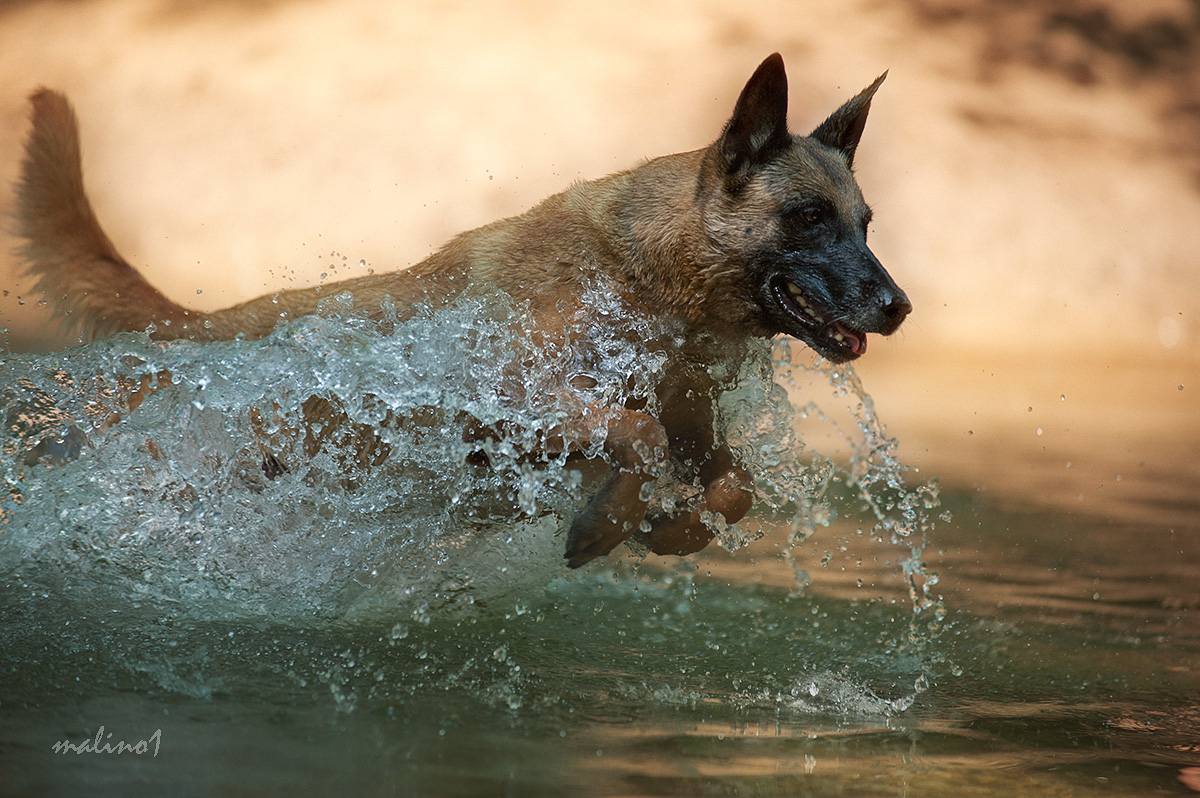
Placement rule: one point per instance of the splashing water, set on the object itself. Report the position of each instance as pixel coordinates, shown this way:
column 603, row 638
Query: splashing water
column 859, row 466
column 321, row 477
column 903, row 515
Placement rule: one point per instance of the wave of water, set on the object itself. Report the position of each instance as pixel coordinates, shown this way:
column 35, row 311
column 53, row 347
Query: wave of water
column 205, row 485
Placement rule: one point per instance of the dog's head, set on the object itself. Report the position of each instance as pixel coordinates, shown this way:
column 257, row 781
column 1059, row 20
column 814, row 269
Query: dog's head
column 787, row 211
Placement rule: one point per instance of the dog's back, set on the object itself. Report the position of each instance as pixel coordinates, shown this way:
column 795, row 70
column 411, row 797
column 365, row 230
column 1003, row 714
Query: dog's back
column 96, row 292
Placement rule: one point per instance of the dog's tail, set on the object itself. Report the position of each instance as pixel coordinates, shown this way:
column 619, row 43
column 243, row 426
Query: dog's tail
column 76, row 267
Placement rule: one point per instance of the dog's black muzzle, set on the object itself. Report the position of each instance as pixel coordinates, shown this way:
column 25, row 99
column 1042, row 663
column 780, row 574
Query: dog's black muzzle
column 832, row 304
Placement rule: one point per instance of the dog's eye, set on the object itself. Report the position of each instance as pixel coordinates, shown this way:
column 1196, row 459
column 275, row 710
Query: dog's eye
column 813, row 214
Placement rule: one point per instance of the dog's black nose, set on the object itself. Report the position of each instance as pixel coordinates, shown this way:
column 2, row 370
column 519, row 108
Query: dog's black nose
column 895, row 307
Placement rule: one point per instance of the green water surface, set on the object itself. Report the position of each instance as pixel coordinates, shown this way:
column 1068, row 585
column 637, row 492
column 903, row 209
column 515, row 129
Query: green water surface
column 1067, row 663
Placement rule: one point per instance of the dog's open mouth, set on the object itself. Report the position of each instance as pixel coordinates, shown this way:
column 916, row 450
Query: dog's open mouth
column 829, row 337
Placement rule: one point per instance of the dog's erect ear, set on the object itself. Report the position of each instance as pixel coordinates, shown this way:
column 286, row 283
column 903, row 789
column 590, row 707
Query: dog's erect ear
column 844, row 127
column 758, row 128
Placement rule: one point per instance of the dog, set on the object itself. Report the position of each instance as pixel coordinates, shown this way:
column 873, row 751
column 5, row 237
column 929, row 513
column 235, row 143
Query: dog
column 761, row 233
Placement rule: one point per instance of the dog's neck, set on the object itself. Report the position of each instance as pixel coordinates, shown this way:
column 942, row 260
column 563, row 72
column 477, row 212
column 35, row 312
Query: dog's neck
column 651, row 219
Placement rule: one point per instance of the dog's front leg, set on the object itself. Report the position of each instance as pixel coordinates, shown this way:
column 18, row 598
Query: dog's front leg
column 636, row 446
column 729, row 490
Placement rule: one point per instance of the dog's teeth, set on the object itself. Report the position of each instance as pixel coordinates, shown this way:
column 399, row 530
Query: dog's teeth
column 811, row 312
column 839, row 337
column 796, row 295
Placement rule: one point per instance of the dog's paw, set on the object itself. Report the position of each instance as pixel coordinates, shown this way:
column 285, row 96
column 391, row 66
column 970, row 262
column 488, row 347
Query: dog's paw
column 612, row 515
column 726, row 500
column 593, row 534
column 681, row 534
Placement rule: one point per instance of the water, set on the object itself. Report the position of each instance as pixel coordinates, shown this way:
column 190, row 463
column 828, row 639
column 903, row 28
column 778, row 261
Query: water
column 410, row 628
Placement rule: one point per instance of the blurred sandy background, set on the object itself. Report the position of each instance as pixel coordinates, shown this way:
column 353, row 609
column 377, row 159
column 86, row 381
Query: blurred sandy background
column 1033, row 167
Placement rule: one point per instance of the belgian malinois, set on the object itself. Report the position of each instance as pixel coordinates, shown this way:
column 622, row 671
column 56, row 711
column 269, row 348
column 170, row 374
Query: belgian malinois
column 758, row 234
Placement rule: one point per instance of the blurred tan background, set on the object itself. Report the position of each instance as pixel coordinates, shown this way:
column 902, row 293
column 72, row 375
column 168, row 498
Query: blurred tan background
column 1033, row 167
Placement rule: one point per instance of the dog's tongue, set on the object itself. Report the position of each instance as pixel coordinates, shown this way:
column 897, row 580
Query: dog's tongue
column 856, row 340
